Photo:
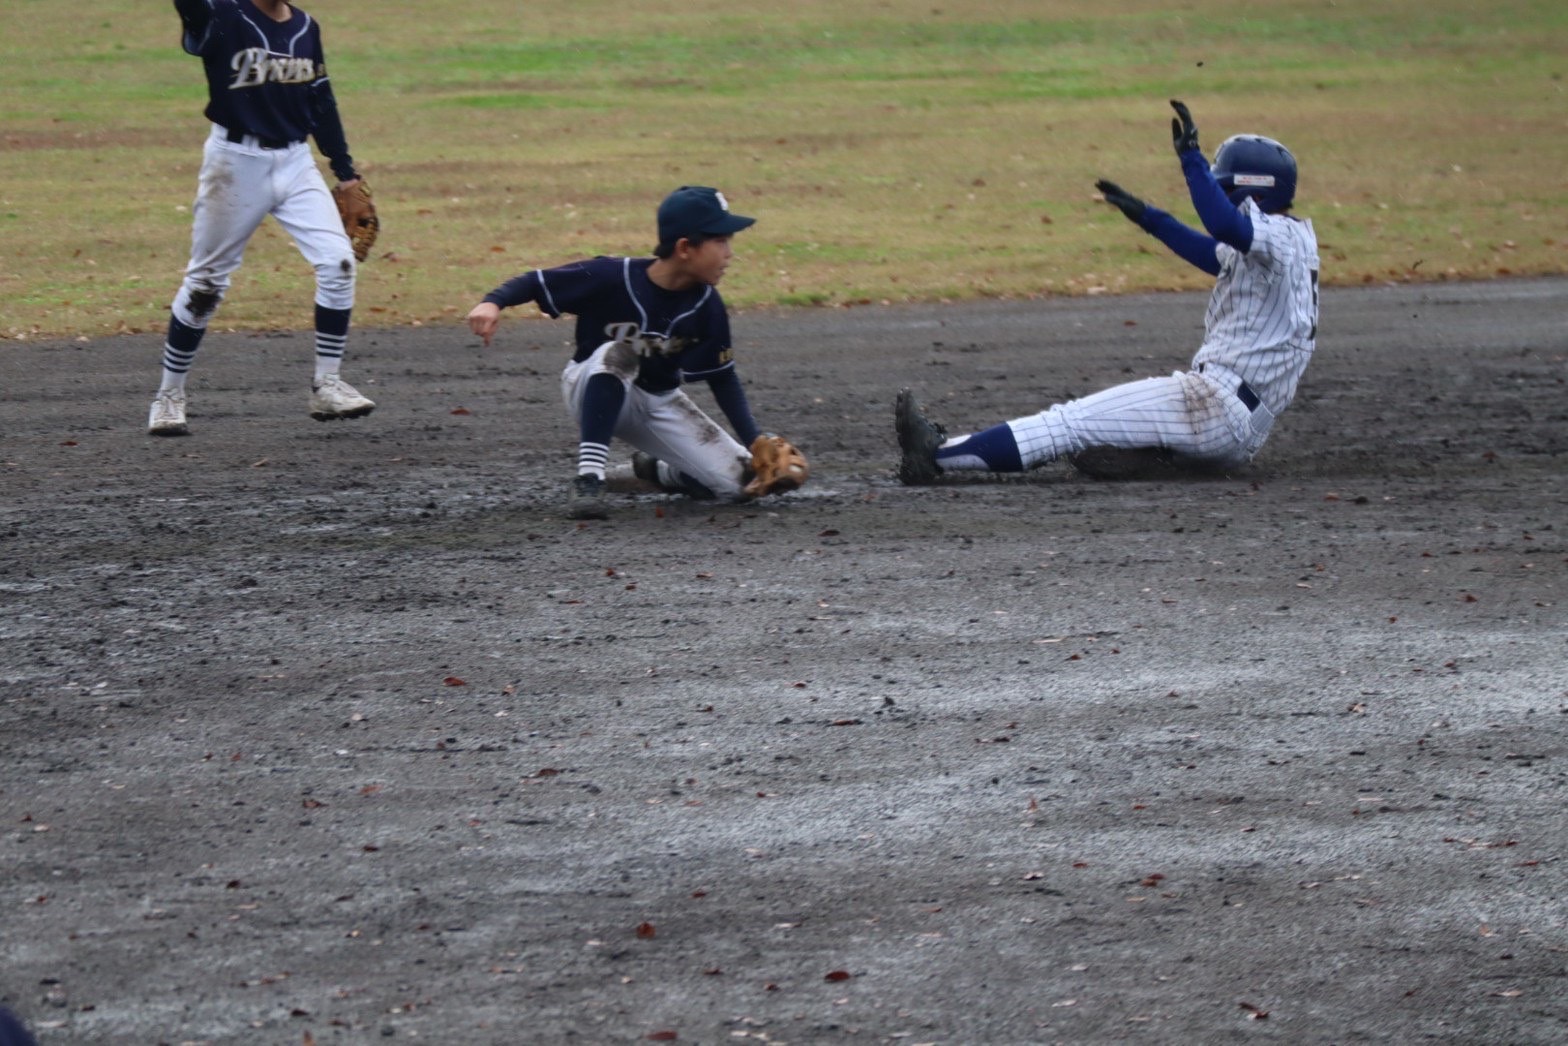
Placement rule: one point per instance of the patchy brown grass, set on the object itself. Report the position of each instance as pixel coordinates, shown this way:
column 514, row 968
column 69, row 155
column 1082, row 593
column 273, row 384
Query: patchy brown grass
column 893, row 152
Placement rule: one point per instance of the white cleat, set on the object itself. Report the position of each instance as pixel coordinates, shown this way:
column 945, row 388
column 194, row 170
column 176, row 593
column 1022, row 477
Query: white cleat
column 332, row 398
column 168, row 415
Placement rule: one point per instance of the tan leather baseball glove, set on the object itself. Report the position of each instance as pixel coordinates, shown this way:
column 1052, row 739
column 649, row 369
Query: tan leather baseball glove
column 778, row 465
column 358, row 212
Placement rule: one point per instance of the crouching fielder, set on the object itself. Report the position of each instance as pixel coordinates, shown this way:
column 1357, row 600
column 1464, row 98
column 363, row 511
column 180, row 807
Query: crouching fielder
column 1261, row 329
column 645, row 327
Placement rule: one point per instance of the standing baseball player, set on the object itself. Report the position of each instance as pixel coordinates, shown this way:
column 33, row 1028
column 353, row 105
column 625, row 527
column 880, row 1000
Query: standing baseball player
column 267, row 92
column 1261, row 328
column 646, row 326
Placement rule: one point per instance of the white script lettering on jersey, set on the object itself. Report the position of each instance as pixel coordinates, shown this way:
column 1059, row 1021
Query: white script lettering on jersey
column 642, row 343
column 255, row 66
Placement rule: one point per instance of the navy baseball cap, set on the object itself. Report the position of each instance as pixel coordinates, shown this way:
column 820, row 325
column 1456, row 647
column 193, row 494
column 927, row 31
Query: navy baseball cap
column 698, row 210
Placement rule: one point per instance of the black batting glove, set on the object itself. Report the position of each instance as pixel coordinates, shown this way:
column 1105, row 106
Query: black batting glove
column 1184, row 133
column 1115, row 195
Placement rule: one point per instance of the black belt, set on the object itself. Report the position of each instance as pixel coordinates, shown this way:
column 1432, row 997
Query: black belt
column 238, row 137
column 1249, row 399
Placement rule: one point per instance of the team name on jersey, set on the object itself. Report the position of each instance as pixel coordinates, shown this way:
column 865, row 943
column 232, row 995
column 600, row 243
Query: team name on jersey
column 645, row 344
column 255, row 66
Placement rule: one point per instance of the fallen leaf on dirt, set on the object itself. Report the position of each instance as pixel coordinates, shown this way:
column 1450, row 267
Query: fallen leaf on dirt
column 846, row 722
column 838, row 975
column 461, row 411
column 645, row 930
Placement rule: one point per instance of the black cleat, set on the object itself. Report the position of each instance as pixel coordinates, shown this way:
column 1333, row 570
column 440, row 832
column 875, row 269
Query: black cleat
column 646, row 467
column 918, row 440
column 586, row 500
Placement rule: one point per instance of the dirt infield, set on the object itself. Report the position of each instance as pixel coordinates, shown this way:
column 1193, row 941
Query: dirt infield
column 342, row 733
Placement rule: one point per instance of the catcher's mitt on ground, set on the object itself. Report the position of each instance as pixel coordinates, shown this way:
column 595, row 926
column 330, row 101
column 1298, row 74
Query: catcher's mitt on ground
column 358, row 212
column 777, row 464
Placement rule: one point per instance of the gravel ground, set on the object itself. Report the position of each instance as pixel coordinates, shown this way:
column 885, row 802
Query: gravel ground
column 342, row 733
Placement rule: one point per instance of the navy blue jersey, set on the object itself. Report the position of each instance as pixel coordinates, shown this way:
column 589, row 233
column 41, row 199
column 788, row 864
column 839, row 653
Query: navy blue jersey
column 679, row 335
column 264, row 77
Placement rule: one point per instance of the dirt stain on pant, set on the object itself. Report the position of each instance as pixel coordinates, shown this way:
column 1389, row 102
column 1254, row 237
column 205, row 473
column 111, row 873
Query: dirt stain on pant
column 621, row 360
column 1204, row 409
column 204, row 300
column 707, row 429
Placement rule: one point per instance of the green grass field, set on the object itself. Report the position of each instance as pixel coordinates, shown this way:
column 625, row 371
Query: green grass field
column 892, row 150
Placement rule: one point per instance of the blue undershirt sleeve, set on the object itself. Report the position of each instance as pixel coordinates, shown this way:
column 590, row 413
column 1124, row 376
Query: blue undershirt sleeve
column 329, row 132
column 1185, row 242
column 730, row 395
column 520, row 289
column 1225, row 221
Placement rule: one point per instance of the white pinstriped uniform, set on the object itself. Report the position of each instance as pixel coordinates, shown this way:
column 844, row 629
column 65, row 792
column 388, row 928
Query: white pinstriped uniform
column 1261, row 328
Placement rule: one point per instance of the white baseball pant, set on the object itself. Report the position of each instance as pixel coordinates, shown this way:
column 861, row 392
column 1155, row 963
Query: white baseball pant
column 667, row 425
column 240, row 184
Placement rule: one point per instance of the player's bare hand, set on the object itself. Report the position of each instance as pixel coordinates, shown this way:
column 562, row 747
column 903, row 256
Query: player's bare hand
column 1115, row 195
column 483, row 319
column 1184, row 133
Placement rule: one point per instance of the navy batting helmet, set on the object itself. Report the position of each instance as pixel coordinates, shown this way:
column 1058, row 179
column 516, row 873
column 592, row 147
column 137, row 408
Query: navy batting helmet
column 1251, row 165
